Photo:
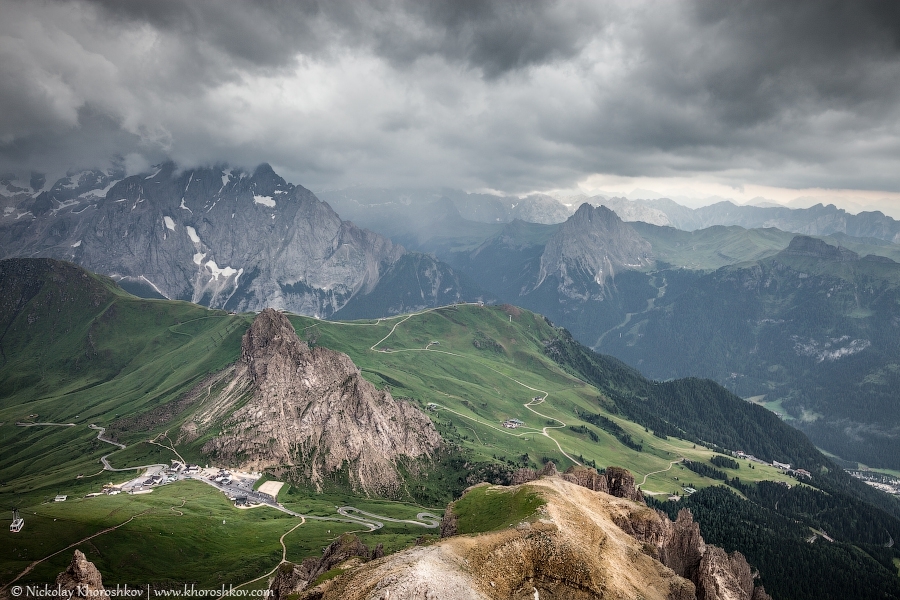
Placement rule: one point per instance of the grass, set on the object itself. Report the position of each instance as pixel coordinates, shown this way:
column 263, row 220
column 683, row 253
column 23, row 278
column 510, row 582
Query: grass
column 483, row 387
column 489, row 508
column 113, row 355
column 212, row 543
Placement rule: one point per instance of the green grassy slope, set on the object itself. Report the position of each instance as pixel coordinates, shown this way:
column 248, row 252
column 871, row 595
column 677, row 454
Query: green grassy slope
column 77, row 349
column 489, row 363
column 718, row 246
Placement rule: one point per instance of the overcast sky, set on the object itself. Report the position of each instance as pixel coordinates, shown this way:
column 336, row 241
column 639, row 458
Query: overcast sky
column 718, row 97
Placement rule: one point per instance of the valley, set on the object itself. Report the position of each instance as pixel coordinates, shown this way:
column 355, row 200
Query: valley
column 480, row 365
column 507, row 392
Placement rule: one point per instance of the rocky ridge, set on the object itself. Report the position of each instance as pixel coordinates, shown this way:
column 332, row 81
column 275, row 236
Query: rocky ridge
column 311, row 412
column 580, row 544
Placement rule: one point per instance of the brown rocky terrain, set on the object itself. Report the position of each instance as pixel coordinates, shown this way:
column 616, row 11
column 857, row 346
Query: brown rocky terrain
column 311, row 411
column 81, row 579
column 580, row 544
column 292, row 578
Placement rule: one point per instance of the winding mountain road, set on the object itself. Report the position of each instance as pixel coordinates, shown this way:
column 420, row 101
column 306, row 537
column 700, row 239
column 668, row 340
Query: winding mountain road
column 424, row 519
column 671, row 464
column 528, row 405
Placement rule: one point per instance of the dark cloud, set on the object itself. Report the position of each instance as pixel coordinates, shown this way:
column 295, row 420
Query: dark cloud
column 505, row 95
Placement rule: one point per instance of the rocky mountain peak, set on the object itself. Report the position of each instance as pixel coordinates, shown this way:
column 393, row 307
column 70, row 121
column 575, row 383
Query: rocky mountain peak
column 271, row 337
column 311, row 413
column 593, row 242
column 81, row 579
column 802, row 245
column 220, row 236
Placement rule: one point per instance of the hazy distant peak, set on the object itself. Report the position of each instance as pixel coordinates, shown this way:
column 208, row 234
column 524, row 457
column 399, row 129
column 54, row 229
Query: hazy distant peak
column 803, row 245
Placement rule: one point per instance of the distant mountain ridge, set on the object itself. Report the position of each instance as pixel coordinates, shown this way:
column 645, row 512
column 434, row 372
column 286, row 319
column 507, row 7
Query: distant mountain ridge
column 217, row 236
column 815, row 220
column 581, row 273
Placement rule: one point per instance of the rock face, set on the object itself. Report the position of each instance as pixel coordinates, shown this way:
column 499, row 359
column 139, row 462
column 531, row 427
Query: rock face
column 217, row 236
column 81, row 579
column 715, row 574
column 615, row 481
column 313, row 411
column 291, row 578
column 593, row 242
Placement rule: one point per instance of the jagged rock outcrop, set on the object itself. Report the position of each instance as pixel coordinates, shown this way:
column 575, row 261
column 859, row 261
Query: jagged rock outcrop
column 724, row 576
column 615, row 481
column 292, row 578
column 621, row 484
column 715, row 574
column 588, row 477
column 311, row 410
column 81, row 579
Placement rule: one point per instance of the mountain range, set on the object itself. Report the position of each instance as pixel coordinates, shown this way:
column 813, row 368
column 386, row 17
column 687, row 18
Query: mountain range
column 220, row 237
column 242, row 240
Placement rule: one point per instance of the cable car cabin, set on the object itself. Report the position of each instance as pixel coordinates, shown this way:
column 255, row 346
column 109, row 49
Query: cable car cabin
column 17, row 523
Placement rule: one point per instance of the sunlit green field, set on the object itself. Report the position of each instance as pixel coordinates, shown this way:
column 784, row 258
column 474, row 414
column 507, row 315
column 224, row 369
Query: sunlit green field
column 181, row 532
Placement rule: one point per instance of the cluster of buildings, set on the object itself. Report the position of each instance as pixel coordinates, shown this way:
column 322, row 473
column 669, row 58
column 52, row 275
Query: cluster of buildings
column 786, row 467
column 513, row 423
column 223, row 476
column 879, row 481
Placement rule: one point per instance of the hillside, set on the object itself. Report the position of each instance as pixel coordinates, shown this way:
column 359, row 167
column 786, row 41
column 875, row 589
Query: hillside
column 809, row 331
column 470, row 368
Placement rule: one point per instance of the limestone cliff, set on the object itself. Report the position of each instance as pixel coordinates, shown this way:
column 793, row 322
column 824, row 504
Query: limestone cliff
column 81, row 579
column 219, row 236
column 311, row 410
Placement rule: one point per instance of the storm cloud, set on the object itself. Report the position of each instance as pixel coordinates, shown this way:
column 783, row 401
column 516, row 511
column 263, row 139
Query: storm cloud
column 511, row 96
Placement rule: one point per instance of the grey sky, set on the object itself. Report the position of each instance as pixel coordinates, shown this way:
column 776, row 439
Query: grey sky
column 510, row 96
